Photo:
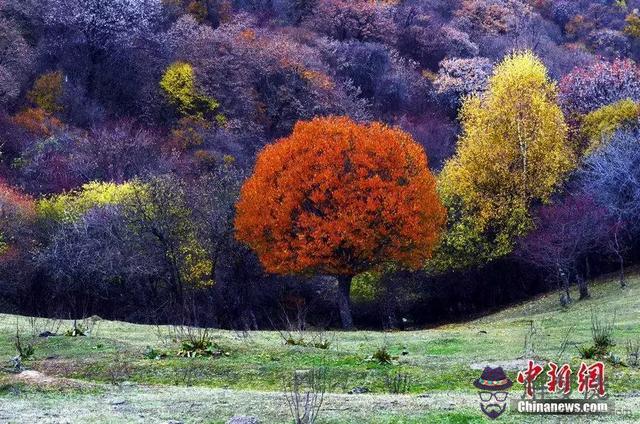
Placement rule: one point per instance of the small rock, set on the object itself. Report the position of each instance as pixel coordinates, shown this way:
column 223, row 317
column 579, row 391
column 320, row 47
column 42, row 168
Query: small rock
column 240, row 419
column 118, row 402
column 174, row 422
column 47, row 334
column 358, row 391
column 482, row 332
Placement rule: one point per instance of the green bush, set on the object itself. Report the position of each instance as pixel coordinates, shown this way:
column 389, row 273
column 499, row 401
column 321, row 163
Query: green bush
column 204, row 348
column 382, row 356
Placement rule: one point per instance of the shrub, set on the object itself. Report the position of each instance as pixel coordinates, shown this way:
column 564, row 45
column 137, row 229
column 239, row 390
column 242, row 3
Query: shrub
column 632, row 27
column 304, row 393
column 633, row 353
column 17, row 213
column 196, row 348
column 69, row 207
column 179, row 84
column 197, row 342
column 588, row 352
column 586, row 89
column 38, row 122
column 47, row 92
column 77, row 331
column 382, row 356
column 602, row 332
column 610, row 43
column 355, row 19
column 24, row 349
column 600, row 125
column 602, row 337
column 397, row 383
column 458, row 78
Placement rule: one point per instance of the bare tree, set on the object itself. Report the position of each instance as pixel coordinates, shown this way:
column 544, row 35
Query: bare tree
column 564, row 233
column 611, row 176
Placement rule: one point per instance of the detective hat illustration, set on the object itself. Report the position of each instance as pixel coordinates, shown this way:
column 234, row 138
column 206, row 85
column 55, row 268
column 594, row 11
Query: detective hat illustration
column 493, row 379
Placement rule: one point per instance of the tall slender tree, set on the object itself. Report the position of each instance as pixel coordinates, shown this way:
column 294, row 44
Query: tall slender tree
column 513, row 152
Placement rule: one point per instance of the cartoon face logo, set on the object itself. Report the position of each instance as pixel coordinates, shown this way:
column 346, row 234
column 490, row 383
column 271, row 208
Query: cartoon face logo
column 493, row 385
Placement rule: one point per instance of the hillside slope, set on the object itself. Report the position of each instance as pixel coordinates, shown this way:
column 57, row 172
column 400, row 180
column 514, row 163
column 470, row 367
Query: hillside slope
column 106, row 376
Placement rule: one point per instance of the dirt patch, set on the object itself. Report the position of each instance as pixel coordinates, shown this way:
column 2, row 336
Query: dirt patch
column 58, row 367
column 36, row 378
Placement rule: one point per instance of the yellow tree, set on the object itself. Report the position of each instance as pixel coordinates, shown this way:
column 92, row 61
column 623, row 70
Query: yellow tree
column 513, row 151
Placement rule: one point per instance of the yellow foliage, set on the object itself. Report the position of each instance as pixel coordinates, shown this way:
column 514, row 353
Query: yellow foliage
column 68, row 207
column 179, row 84
column 513, row 151
column 47, row 91
column 598, row 126
column 190, row 132
column 632, row 27
column 195, row 264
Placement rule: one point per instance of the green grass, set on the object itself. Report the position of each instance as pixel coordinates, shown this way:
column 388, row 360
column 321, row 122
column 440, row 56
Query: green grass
column 441, row 363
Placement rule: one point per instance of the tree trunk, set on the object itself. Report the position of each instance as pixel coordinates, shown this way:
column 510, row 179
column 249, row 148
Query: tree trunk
column 563, row 279
column 582, row 286
column 587, row 268
column 623, row 284
column 389, row 306
column 344, row 302
column 617, row 247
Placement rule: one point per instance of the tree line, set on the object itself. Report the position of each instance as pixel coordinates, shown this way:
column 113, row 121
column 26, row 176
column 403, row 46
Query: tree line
column 383, row 163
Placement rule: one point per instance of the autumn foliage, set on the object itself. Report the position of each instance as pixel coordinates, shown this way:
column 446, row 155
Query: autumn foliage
column 338, row 197
column 513, row 152
column 16, row 212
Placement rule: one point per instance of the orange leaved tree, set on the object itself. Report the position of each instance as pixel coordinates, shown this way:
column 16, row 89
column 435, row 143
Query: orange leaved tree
column 339, row 198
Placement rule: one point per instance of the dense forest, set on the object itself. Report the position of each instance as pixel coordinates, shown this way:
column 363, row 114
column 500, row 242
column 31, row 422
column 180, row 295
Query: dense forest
column 379, row 163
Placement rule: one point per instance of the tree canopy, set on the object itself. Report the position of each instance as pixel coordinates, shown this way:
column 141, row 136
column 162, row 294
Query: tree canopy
column 356, row 196
column 513, row 151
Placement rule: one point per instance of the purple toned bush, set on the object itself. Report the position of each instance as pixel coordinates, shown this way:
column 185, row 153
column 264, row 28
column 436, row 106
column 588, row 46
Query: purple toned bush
column 435, row 132
column 611, row 176
column 104, row 24
column 353, row 20
column 16, row 58
column 584, row 90
column 459, row 77
column 610, row 43
column 564, row 233
column 117, row 152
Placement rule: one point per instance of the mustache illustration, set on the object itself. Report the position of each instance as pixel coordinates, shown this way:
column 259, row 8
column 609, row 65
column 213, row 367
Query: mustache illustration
column 493, row 410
